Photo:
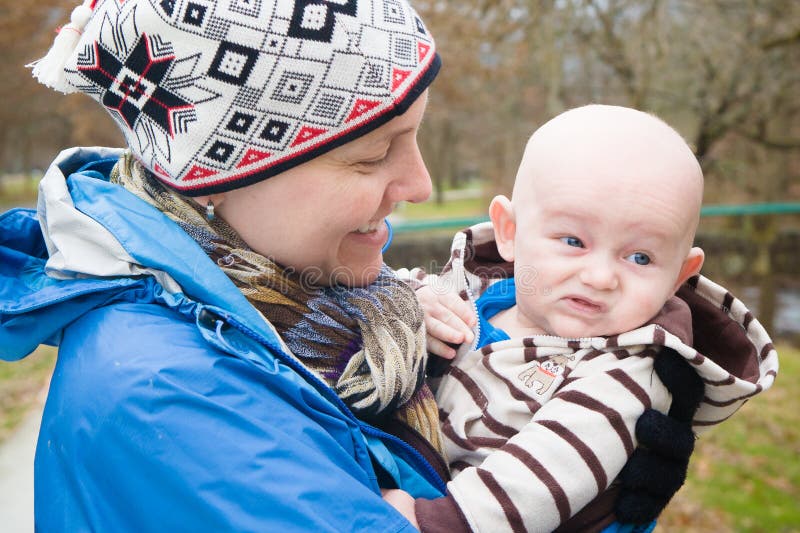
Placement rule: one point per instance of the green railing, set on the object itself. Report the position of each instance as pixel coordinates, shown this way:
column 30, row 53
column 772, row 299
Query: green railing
column 750, row 209
column 411, row 226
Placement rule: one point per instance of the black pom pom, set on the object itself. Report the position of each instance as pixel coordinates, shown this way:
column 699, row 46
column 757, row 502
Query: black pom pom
column 683, row 383
column 638, row 507
column 657, row 469
column 653, row 473
column 665, row 435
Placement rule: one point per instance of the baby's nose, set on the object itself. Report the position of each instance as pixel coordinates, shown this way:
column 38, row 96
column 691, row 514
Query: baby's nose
column 600, row 274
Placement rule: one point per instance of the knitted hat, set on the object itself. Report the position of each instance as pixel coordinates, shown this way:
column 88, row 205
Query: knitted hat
column 213, row 95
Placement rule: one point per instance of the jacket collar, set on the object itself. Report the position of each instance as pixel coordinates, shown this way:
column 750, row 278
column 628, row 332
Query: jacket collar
column 99, row 234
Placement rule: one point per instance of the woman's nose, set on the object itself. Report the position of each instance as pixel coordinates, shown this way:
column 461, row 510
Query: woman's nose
column 600, row 274
column 412, row 182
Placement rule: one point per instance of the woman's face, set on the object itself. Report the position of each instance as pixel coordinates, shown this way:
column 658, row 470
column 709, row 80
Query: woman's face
column 324, row 218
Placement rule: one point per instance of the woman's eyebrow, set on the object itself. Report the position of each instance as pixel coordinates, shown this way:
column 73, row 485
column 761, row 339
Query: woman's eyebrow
column 391, row 134
column 387, row 137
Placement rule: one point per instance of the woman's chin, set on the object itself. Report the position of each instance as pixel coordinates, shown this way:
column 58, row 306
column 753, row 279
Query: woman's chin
column 359, row 277
column 358, row 266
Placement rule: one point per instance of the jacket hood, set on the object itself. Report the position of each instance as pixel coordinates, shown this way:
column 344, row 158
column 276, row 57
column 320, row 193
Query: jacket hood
column 703, row 322
column 90, row 241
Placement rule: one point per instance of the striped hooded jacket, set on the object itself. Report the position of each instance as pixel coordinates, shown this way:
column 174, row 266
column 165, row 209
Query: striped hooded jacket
column 537, row 427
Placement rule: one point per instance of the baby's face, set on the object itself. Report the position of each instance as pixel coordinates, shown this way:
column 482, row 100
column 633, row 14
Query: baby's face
column 590, row 262
column 601, row 238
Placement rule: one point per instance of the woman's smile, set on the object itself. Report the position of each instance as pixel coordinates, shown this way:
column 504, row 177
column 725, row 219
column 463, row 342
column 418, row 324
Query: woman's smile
column 371, row 234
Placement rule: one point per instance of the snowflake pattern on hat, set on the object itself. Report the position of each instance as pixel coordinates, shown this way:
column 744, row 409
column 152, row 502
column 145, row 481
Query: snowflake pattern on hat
column 216, row 95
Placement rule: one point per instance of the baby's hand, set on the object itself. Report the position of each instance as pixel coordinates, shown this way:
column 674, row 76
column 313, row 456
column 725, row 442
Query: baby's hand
column 403, row 502
column 448, row 319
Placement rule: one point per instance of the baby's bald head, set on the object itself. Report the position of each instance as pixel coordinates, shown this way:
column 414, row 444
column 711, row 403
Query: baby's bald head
column 612, row 151
column 601, row 222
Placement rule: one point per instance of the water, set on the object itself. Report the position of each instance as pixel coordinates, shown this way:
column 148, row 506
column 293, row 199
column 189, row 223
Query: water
column 787, row 312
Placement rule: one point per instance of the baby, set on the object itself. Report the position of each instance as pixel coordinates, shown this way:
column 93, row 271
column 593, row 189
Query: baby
column 601, row 223
column 574, row 286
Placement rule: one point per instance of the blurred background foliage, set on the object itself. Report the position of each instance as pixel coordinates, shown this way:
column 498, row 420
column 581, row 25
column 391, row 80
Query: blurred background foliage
column 726, row 73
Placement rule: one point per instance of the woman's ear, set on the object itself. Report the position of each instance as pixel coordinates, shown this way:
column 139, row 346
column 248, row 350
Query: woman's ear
column 215, row 199
column 691, row 266
column 501, row 211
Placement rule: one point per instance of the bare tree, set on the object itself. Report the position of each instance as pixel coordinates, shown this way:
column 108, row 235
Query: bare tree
column 725, row 72
column 38, row 122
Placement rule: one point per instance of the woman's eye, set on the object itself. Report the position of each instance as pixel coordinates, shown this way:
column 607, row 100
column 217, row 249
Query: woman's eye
column 639, row 258
column 572, row 241
column 373, row 162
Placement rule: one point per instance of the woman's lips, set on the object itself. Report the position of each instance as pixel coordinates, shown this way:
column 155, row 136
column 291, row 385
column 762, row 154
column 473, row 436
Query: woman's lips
column 376, row 237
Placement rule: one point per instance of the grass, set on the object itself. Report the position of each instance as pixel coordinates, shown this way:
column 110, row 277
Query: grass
column 18, row 190
column 20, row 384
column 745, row 474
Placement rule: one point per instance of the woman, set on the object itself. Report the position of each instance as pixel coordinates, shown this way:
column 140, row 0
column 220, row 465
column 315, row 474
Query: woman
column 233, row 355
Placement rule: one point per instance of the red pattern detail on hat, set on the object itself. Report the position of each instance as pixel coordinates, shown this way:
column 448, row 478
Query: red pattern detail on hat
column 160, row 171
column 362, row 106
column 186, row 187
column 197, row 172
column 422, row 49
column 306, row 134
column 398, row 77
column 253, row 156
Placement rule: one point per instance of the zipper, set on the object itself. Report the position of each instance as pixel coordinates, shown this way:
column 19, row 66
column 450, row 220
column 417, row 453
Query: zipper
column 474, row 303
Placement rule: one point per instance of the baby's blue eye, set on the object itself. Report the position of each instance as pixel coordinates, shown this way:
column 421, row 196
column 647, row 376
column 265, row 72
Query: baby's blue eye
column 639, row 258
column 572, row 241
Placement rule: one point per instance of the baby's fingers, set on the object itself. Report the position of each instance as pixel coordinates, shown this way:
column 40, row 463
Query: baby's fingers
column 437, row 347
column 460, row 308
column 456, row 314
column 442, row 330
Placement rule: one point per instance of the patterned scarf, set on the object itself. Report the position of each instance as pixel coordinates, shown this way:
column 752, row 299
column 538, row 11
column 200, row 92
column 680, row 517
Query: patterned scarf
column 366, row 343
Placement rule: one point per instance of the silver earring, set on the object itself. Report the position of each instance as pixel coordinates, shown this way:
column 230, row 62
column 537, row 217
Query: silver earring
column 210, row 211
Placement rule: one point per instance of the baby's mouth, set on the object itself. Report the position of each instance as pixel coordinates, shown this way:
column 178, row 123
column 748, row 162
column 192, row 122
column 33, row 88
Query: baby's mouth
column 585, row 304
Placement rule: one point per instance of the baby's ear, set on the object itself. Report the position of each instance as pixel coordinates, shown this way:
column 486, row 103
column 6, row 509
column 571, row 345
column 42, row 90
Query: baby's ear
column 501, row 211
column 691, row 266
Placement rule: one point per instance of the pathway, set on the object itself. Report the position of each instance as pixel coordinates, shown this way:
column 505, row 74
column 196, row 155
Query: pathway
column 16, row 473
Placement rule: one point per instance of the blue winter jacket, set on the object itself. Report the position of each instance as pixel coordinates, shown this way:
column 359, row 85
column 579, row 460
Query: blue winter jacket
column 174, row 406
